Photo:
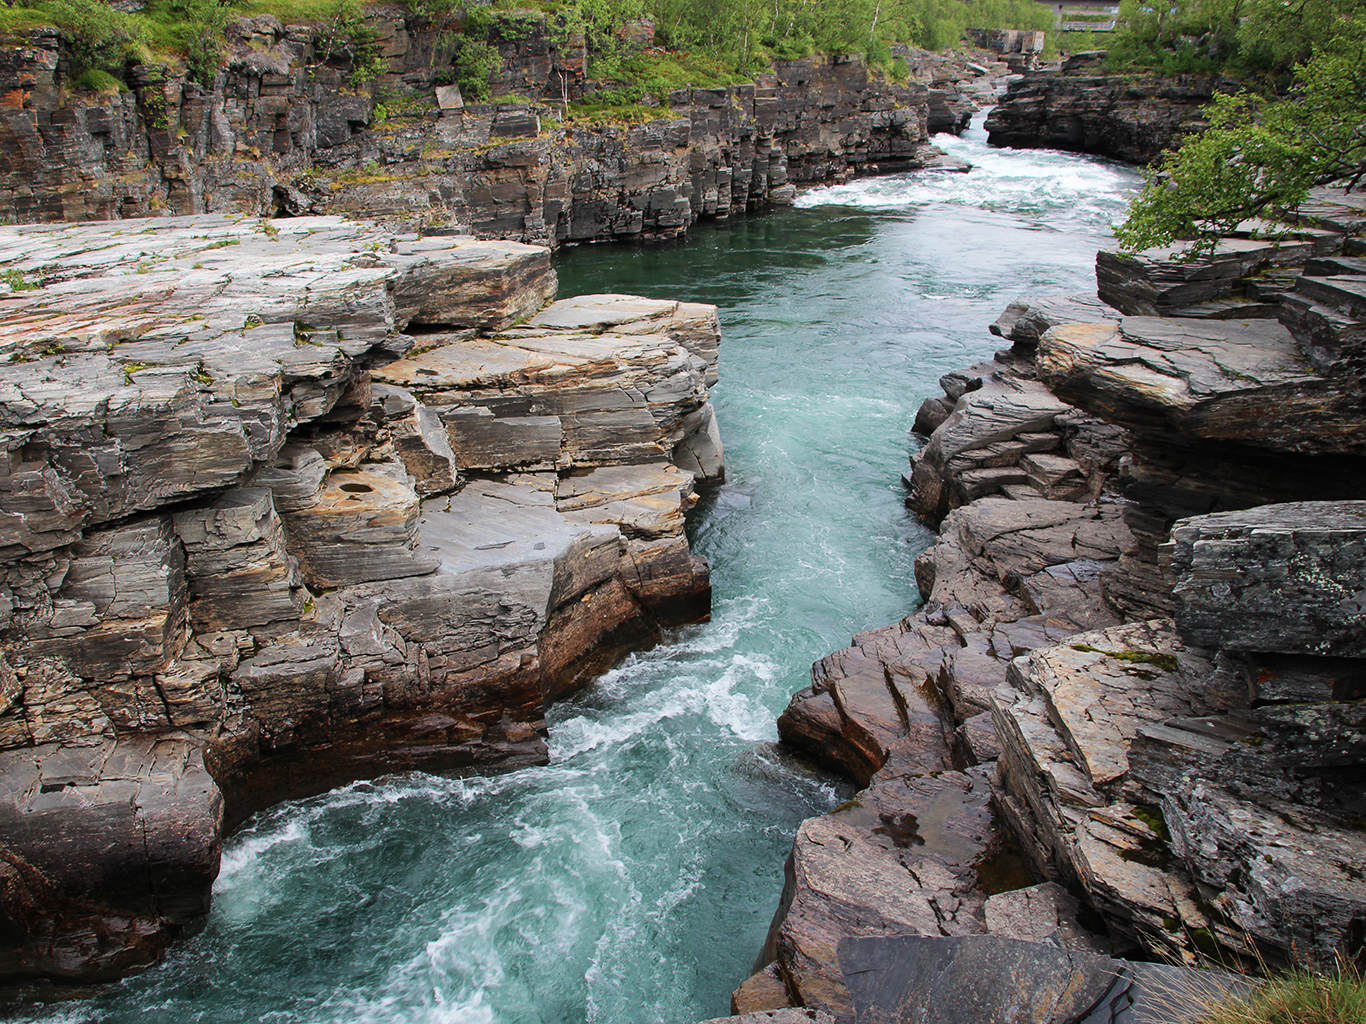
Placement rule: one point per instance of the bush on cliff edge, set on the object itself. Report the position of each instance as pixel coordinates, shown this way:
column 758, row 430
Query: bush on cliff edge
column 1261, row 155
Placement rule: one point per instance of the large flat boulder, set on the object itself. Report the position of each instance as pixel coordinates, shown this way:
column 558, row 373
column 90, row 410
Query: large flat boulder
column 1229, row 381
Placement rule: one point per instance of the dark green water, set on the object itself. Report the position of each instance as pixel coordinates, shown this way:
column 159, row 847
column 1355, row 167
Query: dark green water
column 633, row 879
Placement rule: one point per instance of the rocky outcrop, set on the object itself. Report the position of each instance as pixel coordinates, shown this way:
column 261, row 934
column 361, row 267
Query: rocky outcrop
column 1082, row 109
column 291, row 503
column 281, row 131
column 1153, row 669
column 959, row 84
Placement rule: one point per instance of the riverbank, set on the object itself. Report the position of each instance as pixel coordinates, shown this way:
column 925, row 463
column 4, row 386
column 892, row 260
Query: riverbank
column 293, row 504
column 283, row 131
column 1122, row 668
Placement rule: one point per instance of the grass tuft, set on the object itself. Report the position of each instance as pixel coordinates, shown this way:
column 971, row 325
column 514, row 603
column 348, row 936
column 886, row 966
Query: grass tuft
column 1298, row 997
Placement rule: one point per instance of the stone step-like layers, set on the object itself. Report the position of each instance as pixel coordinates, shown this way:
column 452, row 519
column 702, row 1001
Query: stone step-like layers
column 240, row 514
column 1169, row 729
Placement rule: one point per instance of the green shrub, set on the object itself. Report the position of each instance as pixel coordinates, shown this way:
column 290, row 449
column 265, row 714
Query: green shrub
column 99, row 81
column 97, row 37
column 474, row 66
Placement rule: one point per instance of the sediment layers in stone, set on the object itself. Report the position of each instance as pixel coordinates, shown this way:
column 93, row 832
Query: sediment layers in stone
column 1081, row 109
column 281, row 131
column 1163, row 706
column 251, row 548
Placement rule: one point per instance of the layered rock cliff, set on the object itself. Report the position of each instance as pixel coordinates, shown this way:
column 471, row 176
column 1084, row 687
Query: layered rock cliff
column 1083, row 109
column 282, row 131
column 1134, row 683
column 289, row 503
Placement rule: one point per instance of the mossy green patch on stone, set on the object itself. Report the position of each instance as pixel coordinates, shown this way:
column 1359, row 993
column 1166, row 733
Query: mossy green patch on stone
column 1166, row 662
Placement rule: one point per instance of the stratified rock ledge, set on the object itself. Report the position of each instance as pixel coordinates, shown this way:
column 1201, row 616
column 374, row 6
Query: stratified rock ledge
column 1126, row 724
column 286, row 504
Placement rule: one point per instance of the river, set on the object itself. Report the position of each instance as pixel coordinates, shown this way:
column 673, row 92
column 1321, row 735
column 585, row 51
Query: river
column 633, row 878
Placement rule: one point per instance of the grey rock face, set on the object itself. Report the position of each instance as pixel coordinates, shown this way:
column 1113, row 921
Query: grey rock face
column 987, row 980
column 281, row 130
column 1131, row 118
column 1243, row 382
column 1277, row 578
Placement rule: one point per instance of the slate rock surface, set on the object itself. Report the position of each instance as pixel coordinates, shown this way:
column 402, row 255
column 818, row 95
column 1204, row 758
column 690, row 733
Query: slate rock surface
column 1277, row 578
column 243, row 523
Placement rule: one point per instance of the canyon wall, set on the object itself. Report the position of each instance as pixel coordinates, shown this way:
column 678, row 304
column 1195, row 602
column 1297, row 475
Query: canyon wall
column 288, row 504
column 1084, row 109
column 1125, row 725
column 281, row 131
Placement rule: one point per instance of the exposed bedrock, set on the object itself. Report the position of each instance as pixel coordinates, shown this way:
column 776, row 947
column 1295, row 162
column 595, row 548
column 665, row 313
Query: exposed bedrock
column 1141, row 632
column 281, row 131
column 1082, row 109
column 290, row 504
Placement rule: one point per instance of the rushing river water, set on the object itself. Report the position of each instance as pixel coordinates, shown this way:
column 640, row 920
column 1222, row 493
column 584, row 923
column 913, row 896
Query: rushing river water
column 632, row 880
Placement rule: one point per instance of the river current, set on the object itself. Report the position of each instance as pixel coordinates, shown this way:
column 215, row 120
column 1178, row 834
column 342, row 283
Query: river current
column 632, row 880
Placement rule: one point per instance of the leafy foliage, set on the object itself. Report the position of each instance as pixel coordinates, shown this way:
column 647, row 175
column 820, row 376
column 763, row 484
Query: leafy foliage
column 205, row 20
column 473, row 67
column 1208, row 36
column 746, row 32
column 97, row 36
column 1261, row 153
column 710, row 41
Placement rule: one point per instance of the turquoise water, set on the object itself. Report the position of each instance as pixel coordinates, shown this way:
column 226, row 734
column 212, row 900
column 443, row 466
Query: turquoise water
column 632, row 880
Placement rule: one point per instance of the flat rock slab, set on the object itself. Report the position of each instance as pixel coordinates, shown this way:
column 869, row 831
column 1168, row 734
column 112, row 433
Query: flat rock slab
column 989, row 980
column 162, row 359
column 1243, row 381
column 1026, row 322
column 1100, row 687
column 1152, row 282
column 1024, row 537
column 1042, row 913
column 596, row 313
column 514, row 528
column 901, row 858
column 596, row 381
column 1277, row 578
column 997, row 411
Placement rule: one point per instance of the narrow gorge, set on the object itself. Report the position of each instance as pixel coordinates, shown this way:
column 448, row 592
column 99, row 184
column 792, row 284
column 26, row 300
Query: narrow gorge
column 388, row 634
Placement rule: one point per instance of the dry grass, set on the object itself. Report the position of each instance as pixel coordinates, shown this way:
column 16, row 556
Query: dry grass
column 1299, row 997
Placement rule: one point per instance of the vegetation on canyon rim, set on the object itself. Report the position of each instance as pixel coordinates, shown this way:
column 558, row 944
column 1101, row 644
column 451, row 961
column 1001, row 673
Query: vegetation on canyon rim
column 734, row 37
column 1299, row 123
